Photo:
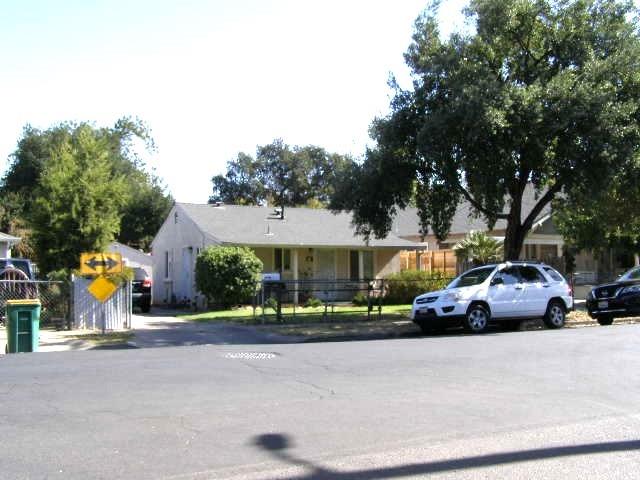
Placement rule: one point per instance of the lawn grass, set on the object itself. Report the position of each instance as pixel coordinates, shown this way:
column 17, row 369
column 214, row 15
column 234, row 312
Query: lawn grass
column 336, row 313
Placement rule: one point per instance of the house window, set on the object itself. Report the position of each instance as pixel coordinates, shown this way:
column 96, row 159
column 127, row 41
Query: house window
column 282, row 259
column 166, row 264
column 360, row 265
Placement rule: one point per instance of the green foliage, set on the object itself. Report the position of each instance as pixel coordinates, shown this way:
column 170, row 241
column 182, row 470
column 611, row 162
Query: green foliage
column 543, row 94
column 271, row 303
column 403, row 287
column 282, row 176
column 602, row 218
column 227, row 275
column 360, row 300
column 78, row 201
column 313, row 302
column 75, row 187
column 479, row 249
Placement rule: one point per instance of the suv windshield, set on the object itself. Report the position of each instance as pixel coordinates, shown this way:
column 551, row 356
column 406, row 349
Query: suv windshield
column 633, row 274
column 472, row 277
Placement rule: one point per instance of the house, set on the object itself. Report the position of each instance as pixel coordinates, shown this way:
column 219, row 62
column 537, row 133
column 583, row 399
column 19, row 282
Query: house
column 312, row 244
column 6, row 242
column 543, row 242
column 131, row 257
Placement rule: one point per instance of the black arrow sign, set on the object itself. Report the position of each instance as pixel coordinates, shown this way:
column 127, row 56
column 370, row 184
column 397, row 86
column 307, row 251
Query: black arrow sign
column 107, row 263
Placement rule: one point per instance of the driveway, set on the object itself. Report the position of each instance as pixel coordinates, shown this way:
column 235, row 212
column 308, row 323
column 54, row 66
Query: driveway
column 160, row 329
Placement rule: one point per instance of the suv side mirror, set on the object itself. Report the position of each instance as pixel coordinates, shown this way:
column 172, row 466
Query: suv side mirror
column 497, row 281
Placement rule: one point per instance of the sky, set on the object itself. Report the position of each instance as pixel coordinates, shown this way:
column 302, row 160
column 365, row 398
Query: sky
column 209, row 78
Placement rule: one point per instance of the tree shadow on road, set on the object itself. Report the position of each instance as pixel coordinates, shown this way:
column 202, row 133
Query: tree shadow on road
column 278, row 444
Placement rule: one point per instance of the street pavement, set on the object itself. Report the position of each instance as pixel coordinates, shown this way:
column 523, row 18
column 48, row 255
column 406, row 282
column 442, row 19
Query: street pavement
column 538, row 404
column 165, row 330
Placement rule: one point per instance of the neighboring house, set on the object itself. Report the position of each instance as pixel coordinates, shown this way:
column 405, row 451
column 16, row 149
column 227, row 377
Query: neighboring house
column 543, row 242
column 6, row 242
column 306, row 244
column 132, row 257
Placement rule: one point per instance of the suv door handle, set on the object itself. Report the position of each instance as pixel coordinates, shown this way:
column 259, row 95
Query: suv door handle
column 518, row 287
column 546, row 285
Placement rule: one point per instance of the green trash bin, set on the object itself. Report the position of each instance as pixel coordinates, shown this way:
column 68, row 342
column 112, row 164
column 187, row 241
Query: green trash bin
column 23, row 325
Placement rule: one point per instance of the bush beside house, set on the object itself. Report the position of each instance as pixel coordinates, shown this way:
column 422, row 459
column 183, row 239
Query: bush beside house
column 227, row 275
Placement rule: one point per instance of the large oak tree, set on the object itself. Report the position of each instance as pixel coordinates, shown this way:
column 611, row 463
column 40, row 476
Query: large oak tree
column 541, row 93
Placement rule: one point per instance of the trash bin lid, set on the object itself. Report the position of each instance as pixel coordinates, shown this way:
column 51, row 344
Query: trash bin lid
column 25, row 301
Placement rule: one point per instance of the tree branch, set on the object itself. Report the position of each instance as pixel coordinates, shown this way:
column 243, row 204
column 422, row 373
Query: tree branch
column 544, row 200
column 478, row 206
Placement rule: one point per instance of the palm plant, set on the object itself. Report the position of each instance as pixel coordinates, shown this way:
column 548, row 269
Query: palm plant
column 478, row 248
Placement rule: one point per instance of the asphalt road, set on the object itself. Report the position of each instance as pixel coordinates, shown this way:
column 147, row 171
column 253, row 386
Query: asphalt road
column 542, row 404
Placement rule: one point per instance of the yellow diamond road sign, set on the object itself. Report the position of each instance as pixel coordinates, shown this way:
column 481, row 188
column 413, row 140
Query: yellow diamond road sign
column 102, row 289
column 100, row 263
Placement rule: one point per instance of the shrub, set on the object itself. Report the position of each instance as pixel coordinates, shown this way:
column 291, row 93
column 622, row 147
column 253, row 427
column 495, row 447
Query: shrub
column 403, row 287
column 227, row 275
column 313, row 302
column 360, row 299
column 271, row 303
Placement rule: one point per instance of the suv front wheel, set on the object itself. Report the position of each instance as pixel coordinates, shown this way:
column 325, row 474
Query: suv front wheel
column 556, row 315
column 477, row 319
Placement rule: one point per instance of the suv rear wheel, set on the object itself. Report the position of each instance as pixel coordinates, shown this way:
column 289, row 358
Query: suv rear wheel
column 605, row 320
column 555, row 316
column 477, row 319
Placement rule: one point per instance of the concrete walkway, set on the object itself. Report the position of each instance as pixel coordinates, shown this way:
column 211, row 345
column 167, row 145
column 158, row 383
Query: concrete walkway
column 54, row 341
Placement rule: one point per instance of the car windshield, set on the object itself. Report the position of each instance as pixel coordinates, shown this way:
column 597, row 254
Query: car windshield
column 633, row 274
column 472, row 277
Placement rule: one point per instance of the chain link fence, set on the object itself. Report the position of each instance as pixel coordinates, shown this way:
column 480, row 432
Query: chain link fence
column 55, row 298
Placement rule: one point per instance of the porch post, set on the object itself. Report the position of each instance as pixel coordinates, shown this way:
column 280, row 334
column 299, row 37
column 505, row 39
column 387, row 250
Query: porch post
column 294, row 267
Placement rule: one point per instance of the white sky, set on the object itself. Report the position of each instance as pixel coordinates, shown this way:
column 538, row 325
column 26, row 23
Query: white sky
column 210, row 78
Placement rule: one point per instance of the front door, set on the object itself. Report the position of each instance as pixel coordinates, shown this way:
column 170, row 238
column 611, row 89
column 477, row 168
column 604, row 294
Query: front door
column 325, row 273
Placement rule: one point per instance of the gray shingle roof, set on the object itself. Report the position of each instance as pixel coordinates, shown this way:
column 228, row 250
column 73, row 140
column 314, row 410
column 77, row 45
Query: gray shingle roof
column 407, row 222
column 255, row 226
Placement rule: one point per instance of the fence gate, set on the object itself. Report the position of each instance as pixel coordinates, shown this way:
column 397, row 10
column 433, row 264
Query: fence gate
column 89, row 313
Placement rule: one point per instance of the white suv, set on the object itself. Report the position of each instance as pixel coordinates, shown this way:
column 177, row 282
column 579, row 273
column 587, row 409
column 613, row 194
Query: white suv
column 507, row 292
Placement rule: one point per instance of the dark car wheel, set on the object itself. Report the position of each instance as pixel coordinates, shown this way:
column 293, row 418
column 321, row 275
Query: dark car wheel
column 605, row 320
column 145, row 307
column 477, row 319
column 556, row 315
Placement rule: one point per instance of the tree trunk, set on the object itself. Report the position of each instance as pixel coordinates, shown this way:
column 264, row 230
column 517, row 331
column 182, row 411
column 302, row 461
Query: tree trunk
column 514, row 240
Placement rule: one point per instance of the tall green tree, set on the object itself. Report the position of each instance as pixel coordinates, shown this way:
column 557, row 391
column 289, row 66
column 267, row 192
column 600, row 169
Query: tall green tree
column 541, row 93
column 282, row 176
column 141, row 210
column 603, row 218
column 78, row 201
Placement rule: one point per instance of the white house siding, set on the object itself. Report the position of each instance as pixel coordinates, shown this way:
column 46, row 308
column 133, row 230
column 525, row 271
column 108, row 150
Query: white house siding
column 182, row 240
column 266, row 256
column 386, row 262
column 5, row 250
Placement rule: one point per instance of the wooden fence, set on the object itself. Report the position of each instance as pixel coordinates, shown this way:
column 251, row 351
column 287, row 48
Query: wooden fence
column 444, row 261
